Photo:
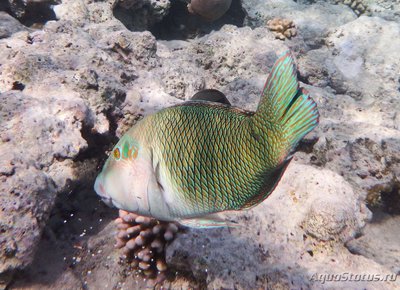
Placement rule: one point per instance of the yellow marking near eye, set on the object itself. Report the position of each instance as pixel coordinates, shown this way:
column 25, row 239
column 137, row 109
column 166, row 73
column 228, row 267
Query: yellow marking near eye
column 133, row 152
column 117, row 154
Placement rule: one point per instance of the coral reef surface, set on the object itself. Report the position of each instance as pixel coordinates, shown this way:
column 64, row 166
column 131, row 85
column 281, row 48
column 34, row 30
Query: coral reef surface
column 75, row 75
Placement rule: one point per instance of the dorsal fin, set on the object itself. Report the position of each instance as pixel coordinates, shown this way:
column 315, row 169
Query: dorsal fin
column 210, row 95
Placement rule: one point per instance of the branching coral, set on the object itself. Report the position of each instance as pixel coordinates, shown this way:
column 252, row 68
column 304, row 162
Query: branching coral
column 358, row 6
column 143, row 240
column 282, row 28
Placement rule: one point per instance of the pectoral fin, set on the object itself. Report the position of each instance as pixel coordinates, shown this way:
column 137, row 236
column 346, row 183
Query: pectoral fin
column 158, row 205
column 209, row 221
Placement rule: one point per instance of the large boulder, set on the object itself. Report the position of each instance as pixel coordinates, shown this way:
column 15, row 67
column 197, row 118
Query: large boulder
column 38, row 143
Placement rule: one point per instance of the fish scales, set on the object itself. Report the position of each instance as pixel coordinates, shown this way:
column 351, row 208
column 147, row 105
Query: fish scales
column 215, row 184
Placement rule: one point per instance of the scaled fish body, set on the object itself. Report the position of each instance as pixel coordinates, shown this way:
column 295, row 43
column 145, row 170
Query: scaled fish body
column 192, row 160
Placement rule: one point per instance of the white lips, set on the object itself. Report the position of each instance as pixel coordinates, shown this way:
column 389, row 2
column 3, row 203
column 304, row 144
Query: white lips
column 98, row 189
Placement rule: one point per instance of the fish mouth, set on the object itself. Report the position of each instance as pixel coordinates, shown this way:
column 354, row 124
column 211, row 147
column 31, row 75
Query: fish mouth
column 99, row 188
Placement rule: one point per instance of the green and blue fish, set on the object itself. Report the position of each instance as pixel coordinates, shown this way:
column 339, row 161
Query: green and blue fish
column 187, row 162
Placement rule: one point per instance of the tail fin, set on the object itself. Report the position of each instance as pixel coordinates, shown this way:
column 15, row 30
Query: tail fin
column 285, row 104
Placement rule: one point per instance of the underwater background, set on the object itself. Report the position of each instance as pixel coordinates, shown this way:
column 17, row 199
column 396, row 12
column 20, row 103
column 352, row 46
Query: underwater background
column 75, row 75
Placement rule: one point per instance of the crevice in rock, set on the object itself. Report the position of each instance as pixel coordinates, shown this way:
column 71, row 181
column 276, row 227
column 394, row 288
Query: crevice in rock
column 385, row 199
column 31, row 13
column 98, row 144
column 306, row 145
column 391, row 200
column 180, row 24
column 18, row 86
column 302, row 78
column 38, row 14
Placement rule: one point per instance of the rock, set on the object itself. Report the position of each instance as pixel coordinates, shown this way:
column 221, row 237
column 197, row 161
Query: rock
column 313, row 22
column 210, row 10
column 31, row 12
column 385, row 9
column 384, row 249
column 368, row 81
column 9, row 25
column 141, row 14
column 76, row 11
column 34, row 137
column 362, row 65
column 181, row 24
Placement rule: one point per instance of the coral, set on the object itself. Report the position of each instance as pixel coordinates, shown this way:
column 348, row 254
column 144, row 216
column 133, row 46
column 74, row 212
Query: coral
column 210, row 10
column 282, row 28
column 358, row 6
column 143, row 240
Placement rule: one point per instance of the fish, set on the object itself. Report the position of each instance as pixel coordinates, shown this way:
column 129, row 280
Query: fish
column 191, row 161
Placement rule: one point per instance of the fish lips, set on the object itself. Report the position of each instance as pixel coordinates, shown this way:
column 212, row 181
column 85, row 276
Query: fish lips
column 98, row 187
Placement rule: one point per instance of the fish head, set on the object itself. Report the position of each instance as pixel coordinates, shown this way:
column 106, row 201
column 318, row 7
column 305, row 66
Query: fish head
column 124, row 178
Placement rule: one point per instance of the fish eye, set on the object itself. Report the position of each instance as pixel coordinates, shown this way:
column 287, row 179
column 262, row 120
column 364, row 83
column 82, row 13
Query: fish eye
column 117, row 154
